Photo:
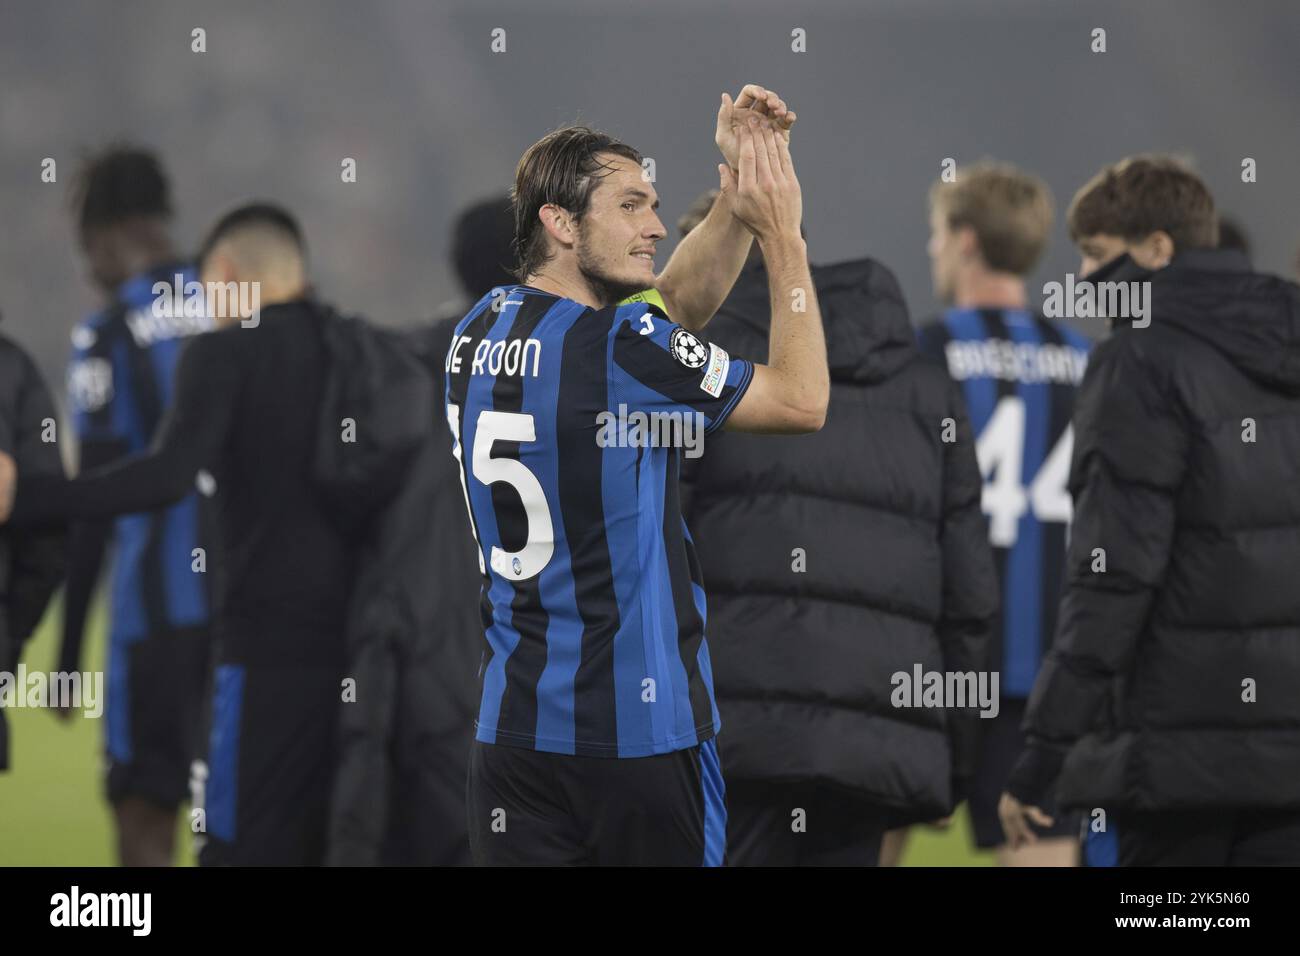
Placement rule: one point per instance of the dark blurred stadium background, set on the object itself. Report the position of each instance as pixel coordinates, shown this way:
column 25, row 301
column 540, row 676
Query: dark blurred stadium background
column 435, row 120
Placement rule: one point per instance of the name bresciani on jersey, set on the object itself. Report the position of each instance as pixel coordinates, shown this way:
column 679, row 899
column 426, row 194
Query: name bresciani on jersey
column 1015, row 361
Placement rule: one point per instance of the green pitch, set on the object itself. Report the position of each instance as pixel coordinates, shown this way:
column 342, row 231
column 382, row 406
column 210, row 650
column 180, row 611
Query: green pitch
column 53, row 812
column 52, row 807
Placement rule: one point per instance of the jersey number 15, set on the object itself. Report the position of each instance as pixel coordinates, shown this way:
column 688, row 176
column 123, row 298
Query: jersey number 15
column 539, row 543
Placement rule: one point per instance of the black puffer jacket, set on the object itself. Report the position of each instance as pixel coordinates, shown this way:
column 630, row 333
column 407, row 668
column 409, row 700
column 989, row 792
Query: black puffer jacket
column 898, row 568
column 1174, row 679
column 414, row 647
column 31, row 562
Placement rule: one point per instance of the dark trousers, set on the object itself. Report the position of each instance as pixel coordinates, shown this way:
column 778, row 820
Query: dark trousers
column 1208, row 837
column 532, row 808
column 271, row 763
column 800, row 825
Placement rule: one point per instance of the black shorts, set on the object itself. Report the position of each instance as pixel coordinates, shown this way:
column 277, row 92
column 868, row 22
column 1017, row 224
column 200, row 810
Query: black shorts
column 154, row 715
column 270, row 768
column 528, row 807
column 1000, row 746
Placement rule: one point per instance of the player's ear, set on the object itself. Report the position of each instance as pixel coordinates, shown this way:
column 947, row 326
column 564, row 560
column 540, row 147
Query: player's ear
column 1155, row 251
column 968, row 244
column 230, row 269
column 214, row 267
column 558, row 223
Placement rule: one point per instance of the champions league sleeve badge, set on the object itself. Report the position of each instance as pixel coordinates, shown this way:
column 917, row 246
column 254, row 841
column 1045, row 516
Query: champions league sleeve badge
column 687, row 349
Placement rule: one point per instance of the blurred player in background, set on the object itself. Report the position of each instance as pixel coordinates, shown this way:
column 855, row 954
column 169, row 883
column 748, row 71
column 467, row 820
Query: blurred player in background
column 482, row 253
column 822, row 551
column 594, row 739
column 1168, row 699
column 247, row 409
column 119, row 388
column 1019, row 372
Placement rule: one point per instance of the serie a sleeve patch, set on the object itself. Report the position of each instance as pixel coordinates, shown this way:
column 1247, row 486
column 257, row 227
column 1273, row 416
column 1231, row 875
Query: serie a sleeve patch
column 715, row 377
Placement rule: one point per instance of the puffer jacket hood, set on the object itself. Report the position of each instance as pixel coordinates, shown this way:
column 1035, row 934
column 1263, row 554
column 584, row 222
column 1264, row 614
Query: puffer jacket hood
column 869, row 336
column 1252, row 319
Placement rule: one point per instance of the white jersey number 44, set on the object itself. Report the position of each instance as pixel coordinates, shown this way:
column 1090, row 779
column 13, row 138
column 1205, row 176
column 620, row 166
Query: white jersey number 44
column 1000, row 451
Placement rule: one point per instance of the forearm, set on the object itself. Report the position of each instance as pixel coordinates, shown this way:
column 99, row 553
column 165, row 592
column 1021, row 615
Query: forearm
column 140, row 483
column 797, row 342
column 143, row 482
column 87, row 542
column 704, row 267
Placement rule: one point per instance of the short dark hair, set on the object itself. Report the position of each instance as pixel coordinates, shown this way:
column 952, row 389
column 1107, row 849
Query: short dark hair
column 263, row 214
column 118, row 183
column 1144, row 194
column 481, row 246
column 561, row 168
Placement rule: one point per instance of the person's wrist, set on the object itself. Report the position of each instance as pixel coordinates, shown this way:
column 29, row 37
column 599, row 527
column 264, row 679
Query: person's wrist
column 1034, row 774
column 782, row 244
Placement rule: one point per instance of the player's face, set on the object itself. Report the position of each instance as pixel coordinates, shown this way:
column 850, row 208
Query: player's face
column 107, row 269
column 618, row 235
column 218, row 269
column 943, row 257
column 1098, row 250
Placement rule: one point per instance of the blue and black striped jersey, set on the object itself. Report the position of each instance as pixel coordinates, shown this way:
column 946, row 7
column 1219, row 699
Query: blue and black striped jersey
column 119, row 385
column 1019, row 373
column 566, row 423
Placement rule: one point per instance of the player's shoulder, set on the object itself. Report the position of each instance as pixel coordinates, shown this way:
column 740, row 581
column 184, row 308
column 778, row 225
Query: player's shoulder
column 651, row 297
column 222, row 339
column 95, row 334
column 491, row 300
column 642, row 332
column 1055, row 330
column 630, row 317
column 966, row 323
column 932, row 333
column 633, row 317
column 499, row 298
column 639, row 314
